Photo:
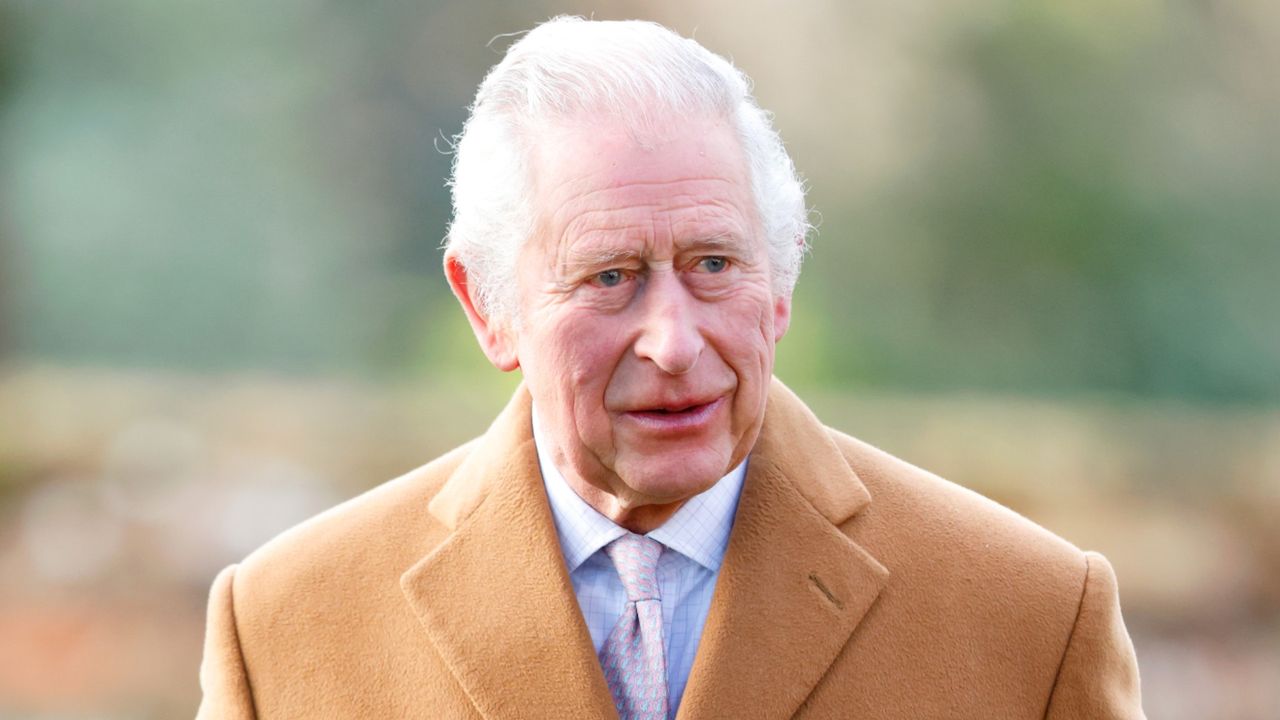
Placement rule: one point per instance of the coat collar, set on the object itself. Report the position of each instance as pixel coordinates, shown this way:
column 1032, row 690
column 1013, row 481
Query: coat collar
column 793, row 587
column 494, row 597
column 496, row 601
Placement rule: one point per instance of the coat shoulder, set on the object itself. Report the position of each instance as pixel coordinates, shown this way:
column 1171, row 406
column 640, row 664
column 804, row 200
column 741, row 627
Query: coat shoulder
column 373, row 536
column 984, row 602
column 970, row 584
column 310, row 614
column 914, row 505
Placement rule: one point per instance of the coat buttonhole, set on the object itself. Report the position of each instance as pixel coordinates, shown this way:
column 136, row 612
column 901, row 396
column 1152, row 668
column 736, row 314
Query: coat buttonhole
column 826, row 592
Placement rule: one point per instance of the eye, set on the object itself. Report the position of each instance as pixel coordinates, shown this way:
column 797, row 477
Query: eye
column 713, row 264
column 608, row 278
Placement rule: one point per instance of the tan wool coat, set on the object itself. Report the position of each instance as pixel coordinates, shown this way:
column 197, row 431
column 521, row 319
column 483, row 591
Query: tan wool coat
column 854, row 586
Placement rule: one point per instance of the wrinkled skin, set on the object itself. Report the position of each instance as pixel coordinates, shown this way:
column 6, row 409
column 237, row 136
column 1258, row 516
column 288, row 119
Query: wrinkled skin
column 647, row 320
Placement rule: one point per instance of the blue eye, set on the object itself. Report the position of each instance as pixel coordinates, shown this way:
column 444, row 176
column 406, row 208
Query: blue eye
column 714, row 264
column 609, row 278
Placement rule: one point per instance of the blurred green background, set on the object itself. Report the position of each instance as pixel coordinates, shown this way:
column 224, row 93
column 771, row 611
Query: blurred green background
column 1049, row 235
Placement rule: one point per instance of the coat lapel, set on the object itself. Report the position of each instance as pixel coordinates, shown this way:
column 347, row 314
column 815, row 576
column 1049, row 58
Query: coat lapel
column 793, row 587
column 506, row 624
column 791, row 591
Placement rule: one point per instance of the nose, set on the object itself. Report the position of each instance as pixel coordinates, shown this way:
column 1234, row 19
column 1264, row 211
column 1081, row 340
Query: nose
column 669, row 334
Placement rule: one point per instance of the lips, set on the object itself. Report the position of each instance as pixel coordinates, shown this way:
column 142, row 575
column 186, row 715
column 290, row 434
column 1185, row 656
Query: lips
column 675, row 408
column 673, row 404
column 677, row 416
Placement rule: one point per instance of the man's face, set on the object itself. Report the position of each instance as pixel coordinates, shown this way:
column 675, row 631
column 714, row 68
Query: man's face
column 647, row 317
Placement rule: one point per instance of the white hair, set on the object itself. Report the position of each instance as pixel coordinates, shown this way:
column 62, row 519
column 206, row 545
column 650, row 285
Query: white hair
column 634, row 71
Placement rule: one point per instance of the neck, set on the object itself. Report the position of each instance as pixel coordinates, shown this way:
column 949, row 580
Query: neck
column 639, row 519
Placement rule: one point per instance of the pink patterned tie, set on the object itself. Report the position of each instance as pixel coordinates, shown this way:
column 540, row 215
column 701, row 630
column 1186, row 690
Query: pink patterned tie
column 632, row 657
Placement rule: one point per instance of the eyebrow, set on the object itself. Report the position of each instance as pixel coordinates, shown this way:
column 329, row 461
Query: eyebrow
column 725, row 242
column 722, row 243
column 600, row 258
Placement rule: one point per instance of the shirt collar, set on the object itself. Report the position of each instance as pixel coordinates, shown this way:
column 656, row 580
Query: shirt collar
column 699, row 530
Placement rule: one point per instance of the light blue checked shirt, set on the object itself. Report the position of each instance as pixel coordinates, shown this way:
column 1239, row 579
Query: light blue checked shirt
column 694, row 539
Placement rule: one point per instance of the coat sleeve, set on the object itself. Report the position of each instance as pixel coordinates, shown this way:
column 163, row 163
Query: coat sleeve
column 1098, row 676
column 223, row 678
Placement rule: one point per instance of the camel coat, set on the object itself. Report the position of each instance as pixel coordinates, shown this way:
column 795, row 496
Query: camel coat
column 854, row 586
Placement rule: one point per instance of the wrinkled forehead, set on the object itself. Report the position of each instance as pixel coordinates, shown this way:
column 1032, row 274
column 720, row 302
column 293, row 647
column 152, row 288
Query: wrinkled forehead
column 592, row 161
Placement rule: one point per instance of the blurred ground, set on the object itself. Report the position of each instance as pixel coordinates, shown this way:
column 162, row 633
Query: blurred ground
column 123, row 494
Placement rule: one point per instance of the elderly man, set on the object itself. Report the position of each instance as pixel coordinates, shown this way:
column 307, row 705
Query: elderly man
column 654, row 527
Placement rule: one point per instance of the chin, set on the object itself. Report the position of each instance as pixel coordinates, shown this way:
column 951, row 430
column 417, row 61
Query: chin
column 674, row 481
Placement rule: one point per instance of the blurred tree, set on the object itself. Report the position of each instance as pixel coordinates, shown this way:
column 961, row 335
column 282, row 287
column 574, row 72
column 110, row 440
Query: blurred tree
column 1088, row 202
column 9, row 32
column 1101, row 214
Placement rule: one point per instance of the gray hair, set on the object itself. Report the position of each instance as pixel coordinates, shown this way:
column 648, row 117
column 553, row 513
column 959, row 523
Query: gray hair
column 634, row 70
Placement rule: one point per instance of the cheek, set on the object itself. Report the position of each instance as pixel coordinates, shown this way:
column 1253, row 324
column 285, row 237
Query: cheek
column 750, row 329
column 748, row 347
column 580, row 357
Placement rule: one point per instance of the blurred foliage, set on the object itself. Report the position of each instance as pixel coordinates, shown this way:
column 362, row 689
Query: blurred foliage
column 1025, row 197
column 1112, row 223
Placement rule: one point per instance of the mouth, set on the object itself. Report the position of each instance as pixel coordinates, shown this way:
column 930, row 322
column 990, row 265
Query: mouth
column 676, row 417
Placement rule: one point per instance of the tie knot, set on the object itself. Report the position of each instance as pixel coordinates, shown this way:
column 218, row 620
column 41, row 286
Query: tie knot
column 636, row 558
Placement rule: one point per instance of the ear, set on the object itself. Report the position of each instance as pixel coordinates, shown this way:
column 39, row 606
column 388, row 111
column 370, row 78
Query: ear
column 496, row 339
column 781, row 316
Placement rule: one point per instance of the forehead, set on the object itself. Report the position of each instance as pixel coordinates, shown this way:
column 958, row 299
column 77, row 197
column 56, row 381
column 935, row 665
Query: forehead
column 689, row 179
